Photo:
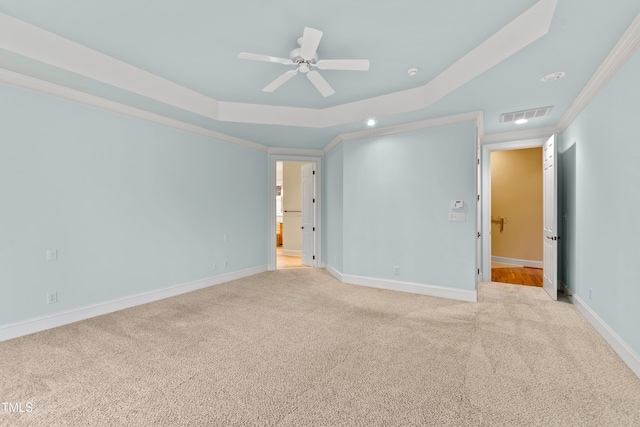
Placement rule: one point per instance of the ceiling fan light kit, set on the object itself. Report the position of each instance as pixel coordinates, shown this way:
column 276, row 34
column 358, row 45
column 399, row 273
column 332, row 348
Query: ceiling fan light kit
column 304, row 59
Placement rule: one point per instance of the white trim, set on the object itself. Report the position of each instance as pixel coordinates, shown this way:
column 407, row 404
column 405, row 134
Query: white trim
column 414, row 288
column 486, row 194
column 626, row 353
column 517, row 262
column 47, row 88
column 519, row 135
column 623, row 50
column 291, row 252
column 295, row 151
column 18, row 329
column 334, row 272
column 271, row 192
column 33, row 42
column 455, row 119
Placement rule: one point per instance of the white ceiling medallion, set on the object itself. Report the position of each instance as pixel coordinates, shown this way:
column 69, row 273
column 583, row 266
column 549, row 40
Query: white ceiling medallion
column 553, row 77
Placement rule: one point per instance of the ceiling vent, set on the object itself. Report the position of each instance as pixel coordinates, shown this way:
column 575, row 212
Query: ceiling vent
column 536, row 113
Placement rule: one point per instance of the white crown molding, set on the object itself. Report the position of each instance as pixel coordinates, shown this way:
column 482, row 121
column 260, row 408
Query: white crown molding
column 455, row 119
column 41, row 86
column 295, row 151
column 519, row 135
column 18, row 329
column 32, row 42
column 623, row 50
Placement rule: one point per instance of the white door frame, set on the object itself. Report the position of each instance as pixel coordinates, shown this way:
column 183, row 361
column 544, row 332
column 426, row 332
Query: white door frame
column 271, row 180
column 486, row 193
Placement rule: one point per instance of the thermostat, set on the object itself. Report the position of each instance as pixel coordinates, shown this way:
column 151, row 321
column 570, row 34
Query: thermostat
column 457, row 204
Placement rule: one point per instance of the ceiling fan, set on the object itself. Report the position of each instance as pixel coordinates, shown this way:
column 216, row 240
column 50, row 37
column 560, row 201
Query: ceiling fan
column 304, row 59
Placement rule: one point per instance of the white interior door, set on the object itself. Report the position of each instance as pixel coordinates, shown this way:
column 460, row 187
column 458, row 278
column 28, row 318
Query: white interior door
column 550, row 183
column 308, row 215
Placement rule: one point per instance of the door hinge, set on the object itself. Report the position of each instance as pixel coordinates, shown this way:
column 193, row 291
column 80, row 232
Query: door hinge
column 314, row 229
column 478, row 271
column 478, row 197
column 314, row 172
column 314, row 200
column 478, row 161
column 479, row 234
column 314, row 257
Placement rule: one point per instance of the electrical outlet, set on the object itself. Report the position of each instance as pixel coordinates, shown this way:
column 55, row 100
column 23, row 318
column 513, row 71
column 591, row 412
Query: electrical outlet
column 590, row 294
column 396, row 270
column 226, row 264
column 215, row 266
column 52, row 254
column 52, row 297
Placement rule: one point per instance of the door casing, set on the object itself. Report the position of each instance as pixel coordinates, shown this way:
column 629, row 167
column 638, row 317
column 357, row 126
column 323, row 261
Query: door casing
column 271, row 229
column 487, row 149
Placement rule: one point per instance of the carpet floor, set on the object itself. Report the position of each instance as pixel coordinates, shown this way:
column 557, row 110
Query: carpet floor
column 298, row 348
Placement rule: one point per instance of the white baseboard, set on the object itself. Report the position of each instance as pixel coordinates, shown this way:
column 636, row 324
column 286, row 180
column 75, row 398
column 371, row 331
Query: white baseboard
column 626, row 353
column 335, row 273
column 18, row 329
column 518, row 262
column 414, row 288
column 291, row 252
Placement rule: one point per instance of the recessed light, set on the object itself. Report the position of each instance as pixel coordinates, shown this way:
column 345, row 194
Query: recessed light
column 553, row 77
column 413, row 71
column 521, row 121
column 371, row 122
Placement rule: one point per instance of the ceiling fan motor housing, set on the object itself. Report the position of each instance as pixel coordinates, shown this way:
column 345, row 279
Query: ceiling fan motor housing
column 302, row 64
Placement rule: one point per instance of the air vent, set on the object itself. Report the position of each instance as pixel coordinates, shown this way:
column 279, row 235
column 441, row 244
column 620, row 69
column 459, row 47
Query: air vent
column 526, row 114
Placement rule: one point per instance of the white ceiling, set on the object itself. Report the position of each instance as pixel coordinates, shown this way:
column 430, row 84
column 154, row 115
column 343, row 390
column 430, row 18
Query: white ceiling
column 179, row 60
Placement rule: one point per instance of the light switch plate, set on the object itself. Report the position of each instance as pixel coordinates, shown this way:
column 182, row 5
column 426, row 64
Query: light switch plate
column 457, row 204
column 457, row 217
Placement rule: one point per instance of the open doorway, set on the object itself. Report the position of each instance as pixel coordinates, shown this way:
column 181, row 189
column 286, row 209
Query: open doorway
column 295, row 213
column 549, row 209
column 292, row 205
column 517, row 216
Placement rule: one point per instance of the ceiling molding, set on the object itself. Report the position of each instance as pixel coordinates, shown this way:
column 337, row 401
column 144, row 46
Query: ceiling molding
column 623, row 50
column 33, row 42
column 516, row 35
column 333, row 144
column 404, row 128
column 48, row 88
column 519, row 135
column 285, row 151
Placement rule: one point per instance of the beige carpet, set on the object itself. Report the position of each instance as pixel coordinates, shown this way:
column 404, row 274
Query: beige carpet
column 298, row 348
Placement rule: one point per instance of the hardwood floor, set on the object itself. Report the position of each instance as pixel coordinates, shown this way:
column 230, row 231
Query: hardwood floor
column 518, row 276
column 285, row 261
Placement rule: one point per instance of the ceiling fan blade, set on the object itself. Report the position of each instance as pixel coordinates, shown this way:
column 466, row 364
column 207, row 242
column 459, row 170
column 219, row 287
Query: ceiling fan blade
column 265, row 58
column 310, row 41
column 320, row 83
column 343, row 64
column 280, row 81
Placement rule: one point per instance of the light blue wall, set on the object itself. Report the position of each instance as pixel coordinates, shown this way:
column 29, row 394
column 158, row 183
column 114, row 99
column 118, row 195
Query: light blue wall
column 601, row 196
column 130, row 206
column 397, row 196
column 333, row 227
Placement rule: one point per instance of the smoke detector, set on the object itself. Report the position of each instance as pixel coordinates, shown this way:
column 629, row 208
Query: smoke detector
column 413, row 71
